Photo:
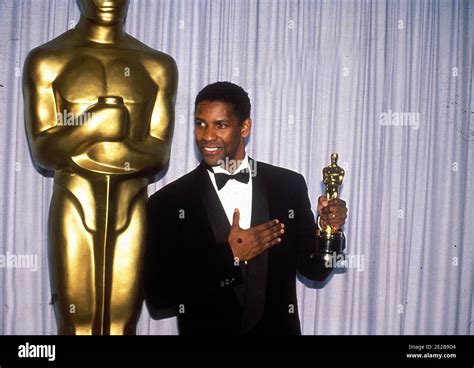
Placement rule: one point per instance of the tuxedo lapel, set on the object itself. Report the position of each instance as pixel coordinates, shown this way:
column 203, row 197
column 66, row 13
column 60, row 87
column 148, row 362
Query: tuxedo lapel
column 255, row 271
column 215, row 212
column 259, row 196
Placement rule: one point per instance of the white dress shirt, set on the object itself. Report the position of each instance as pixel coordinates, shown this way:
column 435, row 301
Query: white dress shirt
column 235, row 194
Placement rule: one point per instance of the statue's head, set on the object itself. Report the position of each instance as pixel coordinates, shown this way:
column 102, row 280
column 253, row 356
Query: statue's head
column 104, row 12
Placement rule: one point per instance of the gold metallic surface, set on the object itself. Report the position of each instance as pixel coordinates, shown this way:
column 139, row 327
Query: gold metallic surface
column 99, row 111
column 333, row 175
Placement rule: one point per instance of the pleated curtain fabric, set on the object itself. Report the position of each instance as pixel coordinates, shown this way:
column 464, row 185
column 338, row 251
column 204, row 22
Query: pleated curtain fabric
column 386, row 84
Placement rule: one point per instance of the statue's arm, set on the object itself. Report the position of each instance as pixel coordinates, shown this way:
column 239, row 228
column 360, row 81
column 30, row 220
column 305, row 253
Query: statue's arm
column 47, row 141
column 153, row 153
column 53, row 145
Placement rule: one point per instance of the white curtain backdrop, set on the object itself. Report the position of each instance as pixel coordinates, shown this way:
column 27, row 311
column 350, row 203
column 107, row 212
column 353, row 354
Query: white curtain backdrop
column 386, row 84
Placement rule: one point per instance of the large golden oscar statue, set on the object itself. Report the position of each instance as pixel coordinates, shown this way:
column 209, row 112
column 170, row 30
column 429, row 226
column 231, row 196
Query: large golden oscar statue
column 99, row 110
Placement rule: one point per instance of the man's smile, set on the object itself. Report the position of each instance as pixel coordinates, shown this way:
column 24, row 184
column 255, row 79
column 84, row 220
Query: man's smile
column 210, row 150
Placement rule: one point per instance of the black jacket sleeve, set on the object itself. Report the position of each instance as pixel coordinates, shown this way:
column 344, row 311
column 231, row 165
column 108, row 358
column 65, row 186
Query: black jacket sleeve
column 310, row 263
column 161, row 269
column 166, row 266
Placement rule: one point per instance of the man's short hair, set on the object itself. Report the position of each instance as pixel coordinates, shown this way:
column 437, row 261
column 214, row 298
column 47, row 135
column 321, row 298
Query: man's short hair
column 227, row 92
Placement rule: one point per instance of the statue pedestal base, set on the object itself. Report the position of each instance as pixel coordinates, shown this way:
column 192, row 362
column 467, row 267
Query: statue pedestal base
column 330, row 244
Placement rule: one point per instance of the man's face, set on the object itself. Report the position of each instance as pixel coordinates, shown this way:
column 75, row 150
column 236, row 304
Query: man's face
column 104, row 12
column 219, row 135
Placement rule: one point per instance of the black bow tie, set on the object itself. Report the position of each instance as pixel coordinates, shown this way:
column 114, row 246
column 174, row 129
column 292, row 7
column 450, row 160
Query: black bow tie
column 221, row 178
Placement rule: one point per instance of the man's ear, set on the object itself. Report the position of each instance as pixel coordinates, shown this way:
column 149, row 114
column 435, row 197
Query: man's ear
column 245, row 128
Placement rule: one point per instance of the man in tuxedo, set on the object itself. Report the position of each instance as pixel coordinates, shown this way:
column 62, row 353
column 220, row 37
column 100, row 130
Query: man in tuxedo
column 226, row 240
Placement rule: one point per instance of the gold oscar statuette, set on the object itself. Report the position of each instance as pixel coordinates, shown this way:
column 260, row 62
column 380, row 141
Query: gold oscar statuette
column 331, row 242
column 99, row 113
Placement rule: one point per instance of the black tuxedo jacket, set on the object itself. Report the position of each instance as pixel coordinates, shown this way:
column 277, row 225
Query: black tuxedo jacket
column 189, row 265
